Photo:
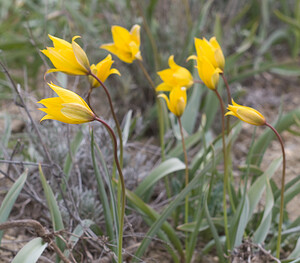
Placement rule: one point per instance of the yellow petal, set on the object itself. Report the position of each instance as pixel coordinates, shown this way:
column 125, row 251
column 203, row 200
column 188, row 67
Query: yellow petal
column 80, row 55
column 135, row 34
column 121, row 37
column 163, row 87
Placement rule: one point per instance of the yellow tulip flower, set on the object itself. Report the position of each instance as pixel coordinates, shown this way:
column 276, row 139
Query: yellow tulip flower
column 174, row 76
column 211, row 50
column 66, row 57
column 68, row 107
column 177, row 101
column 102, row 70
column 246, row 114
column 207, row 72
column 126, row 44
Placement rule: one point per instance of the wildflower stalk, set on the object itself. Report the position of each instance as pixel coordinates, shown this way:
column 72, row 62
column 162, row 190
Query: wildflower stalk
column 228, row 99
column 113, row 114
column 282, row 189
column 160, row 123
column 121, row 177
column 225, row 184
column 186, row 216
column 88, row 98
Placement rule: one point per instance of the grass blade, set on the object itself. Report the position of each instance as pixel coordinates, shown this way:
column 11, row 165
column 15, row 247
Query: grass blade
column 31, row 252
column 56, row 217
column 165, row 168
column 11, row 198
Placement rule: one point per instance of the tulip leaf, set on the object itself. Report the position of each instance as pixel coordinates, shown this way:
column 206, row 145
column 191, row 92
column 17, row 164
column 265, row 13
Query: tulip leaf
column 261, row 232
column 10, row 199
column 77, row 233
column 127, row 125
column 165, row 168
column 156, row 226
column 150, row 213
column 102, row 192
column 31, row 252
column 56, row 217
column 69, row 159
column 296, row 252
column 257, row 188
column 190, row 227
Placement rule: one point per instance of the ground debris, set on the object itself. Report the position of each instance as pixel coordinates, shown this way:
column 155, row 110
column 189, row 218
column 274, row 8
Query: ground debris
column 249, row 252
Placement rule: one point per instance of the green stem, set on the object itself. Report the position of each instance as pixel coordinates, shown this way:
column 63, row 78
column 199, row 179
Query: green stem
column 228, row 100
column 282, row 189
column 121, row 222
column 225, row 171
column 186, row 216
column 113, row 114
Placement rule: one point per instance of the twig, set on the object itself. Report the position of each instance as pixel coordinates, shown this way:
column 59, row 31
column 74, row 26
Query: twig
column 25, row 163
column 40, row 231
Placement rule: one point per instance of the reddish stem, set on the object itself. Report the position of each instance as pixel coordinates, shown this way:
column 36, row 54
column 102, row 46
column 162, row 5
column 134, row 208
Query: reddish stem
column 282, row 189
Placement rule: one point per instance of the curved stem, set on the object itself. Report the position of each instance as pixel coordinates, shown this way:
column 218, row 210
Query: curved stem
column 113, row 114
column 121, row 222
column 88, row 98
column 282, row 189
column 225, row 171
column 186, row 215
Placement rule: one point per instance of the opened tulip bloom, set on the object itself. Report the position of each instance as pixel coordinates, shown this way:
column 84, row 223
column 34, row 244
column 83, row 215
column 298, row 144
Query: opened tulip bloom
column 177, row 101
column 246, row 114
column 67, row 57
column 68, row 107
column 211, row 50
column 174, row 76
column 126, row 44
column 102, row 70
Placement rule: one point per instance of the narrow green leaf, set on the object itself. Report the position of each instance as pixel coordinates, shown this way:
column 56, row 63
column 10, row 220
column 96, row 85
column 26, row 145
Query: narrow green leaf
column 239, row 222
column 77, row 233
column 10, row 199
column 190, row 227
column 290, row 21
column 171, row 207
column 165, row 168
column 56, row 217
column 262, row 231
column 127, row 125
column 102, row 193
column 296, row 252
column 153, row 215
column 214, row 232
column 257, row 188
column 31, row 252
column 74, row 148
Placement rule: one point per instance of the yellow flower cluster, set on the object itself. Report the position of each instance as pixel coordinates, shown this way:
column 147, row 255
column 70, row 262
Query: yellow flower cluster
column 70, row 58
